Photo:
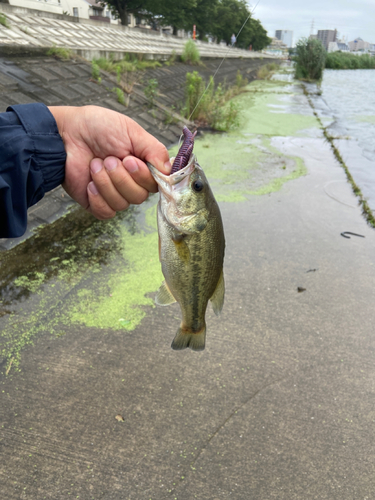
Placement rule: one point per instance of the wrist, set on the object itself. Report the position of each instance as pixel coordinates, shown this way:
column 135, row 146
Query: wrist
column 60, row 114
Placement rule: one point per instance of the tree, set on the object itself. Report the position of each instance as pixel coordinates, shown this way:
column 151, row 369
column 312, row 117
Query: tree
column 172, row 13
column 231, row 16
column 123, row 8
column 310, row 59
column 204, row 16
column 254, row 35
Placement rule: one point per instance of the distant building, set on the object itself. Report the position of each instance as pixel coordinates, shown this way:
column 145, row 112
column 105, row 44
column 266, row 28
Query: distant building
column 286, row 36
column 84, row 9
column 277, row 48
column 327, row 36
column 359, row 45
column 338, row 46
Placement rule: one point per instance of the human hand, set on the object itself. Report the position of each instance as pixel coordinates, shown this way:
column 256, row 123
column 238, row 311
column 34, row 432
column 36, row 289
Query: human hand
column 95, row 140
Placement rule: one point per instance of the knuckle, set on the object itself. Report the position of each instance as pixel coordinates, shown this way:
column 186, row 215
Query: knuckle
column 138, row 198
column 102, row 211
column 118, row 206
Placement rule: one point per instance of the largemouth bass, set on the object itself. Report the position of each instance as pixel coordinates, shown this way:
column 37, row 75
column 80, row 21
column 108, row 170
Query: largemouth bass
column 191, row 246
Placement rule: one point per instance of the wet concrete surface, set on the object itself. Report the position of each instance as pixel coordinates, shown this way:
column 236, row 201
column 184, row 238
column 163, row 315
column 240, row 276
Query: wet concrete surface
column 279, row 405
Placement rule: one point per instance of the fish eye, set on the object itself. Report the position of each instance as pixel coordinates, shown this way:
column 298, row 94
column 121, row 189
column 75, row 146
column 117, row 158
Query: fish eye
column 198, row 186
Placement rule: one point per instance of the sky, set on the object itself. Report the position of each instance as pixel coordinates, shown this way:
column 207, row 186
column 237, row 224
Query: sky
column 352, row 19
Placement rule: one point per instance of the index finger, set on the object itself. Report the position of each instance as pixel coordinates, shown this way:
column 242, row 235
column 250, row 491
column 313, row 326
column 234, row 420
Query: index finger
column 147, row 148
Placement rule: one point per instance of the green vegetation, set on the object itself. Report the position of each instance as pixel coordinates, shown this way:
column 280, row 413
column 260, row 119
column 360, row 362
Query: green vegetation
column 266, row 71
column 60, row 53
column 151, row 91
column 211, row 106
column 171, row 59
column 95, row 72
column 215, row 18
column 130, row 63
column 310, row 60
column 346, row 60
column 4, row 20
column 190, row 54
column 120, row 96
column 127, row 70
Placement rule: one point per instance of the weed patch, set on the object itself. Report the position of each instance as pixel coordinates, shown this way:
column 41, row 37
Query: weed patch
column 151, row 91
column 59, row 53
column 266, row 71
column 310, row 60
column 4, row 20
column 190, row 54
column 211, row 106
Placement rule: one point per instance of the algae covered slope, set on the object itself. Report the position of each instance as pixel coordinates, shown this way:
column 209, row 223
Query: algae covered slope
column 247, row 161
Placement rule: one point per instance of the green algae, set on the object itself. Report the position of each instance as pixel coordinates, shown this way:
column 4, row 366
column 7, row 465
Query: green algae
column 119, row 302
column 101, row 273
column 364, row 118
column 239, row 165
column 258, row 118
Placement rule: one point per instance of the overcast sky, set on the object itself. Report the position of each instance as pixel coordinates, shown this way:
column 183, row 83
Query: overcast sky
column 352, row 19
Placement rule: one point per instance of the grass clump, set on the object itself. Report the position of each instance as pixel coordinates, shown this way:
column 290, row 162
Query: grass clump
column 266, row 71
column 171, row 59
column 346, row 60
column 60, row 53
column 4, row 20
column 130, row 63
column 127, row 70
column 210, row 106
column 151, row 91
column 95, row 72
column 190, row 54
column 120, row 96
column 310, row 60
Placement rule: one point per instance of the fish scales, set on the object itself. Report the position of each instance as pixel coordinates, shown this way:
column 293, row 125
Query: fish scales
column 191, row 247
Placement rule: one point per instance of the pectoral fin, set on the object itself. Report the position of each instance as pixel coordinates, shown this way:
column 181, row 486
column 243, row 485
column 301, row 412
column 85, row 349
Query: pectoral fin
column 164, row 296
column 217, row 298
column 182, row 248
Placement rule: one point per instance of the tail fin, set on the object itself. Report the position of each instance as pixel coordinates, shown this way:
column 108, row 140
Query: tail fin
column 183, row 339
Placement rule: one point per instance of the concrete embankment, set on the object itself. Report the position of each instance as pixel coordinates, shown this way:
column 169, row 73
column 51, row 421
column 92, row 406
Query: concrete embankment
column 91, row 39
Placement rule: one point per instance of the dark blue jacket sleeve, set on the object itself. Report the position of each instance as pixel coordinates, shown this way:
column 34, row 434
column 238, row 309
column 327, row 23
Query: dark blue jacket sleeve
column 32, row 162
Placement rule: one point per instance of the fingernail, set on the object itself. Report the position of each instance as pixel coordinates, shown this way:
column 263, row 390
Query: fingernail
column 168, row 166
column 96, row 165
column 131, row 165
column 110, row 163
column 93, row 189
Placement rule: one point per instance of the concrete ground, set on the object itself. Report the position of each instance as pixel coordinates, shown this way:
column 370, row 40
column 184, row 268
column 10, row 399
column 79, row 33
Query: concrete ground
column 278, row 406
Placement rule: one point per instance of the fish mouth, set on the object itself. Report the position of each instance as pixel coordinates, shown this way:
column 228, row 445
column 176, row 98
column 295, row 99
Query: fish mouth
column 168, row 184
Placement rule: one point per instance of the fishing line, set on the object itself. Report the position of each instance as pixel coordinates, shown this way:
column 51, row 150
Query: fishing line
column 218, row 68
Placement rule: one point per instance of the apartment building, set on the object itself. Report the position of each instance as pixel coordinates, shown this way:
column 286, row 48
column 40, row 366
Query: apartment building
column 286, row 36
column 327, row 36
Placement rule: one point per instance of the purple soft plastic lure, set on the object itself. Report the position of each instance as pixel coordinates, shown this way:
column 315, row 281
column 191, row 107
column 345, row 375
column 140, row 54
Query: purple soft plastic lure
column 183, row 155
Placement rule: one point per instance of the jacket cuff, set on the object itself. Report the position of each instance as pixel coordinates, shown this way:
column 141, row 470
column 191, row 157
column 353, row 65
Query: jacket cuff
column 48, row 154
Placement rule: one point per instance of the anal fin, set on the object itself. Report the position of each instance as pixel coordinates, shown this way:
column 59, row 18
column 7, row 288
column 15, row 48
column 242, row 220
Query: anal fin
column 164, row 296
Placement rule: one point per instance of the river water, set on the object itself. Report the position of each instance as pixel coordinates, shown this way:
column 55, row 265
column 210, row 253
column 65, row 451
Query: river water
column 350, row 95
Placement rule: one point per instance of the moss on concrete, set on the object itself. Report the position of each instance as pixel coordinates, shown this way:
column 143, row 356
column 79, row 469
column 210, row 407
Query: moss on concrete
column 103, row 274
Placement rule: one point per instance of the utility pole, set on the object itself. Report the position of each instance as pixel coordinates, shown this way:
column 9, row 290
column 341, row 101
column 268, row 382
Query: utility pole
column 312, row 28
